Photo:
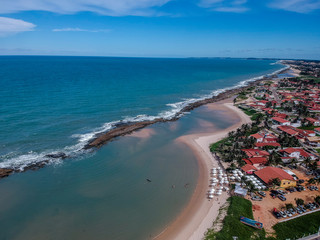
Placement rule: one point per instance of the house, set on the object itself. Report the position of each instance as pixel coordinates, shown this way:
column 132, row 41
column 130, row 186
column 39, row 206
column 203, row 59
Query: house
column 258, row 137
column 313, row 121
column 255, row 153
column 267, row 174
column 290, row 152
column 306, row 133
column 249, row 169
column 313, row 141
column 292, row 131
column 256, row 161
column 317, row 130
column 298, row 153
column 262, row 103
column 280, row 121
column 263, row 144
column 264, row 137
column 280, row 115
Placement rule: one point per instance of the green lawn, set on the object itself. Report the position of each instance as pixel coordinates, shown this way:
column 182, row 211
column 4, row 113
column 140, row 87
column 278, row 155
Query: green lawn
column 232, row 225
column 250, row 112
column 297, row 227
column 214, row 146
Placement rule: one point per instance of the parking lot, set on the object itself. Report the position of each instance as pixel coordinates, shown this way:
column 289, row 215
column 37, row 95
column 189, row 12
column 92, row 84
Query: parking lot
column 263, row 210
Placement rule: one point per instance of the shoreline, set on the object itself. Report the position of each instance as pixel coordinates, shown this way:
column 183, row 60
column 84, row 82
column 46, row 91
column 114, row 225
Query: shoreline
column 200, row 213
column 122, row 129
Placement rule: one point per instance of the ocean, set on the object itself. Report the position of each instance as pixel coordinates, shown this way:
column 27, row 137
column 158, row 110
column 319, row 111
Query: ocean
column 53, row 104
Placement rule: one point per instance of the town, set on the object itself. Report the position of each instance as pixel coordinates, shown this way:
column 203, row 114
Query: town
column 274, row 161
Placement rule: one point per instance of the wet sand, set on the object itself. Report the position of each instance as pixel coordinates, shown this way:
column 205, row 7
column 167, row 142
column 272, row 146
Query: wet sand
column 200, row 213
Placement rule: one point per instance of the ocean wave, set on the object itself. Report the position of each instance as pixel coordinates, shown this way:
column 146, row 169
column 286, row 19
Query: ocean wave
column 22, row 161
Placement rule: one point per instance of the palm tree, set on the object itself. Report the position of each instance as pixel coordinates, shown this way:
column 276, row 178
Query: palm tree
column 307, row 161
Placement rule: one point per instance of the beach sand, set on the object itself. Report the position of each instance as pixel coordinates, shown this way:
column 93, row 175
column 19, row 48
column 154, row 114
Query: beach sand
column 200, row 213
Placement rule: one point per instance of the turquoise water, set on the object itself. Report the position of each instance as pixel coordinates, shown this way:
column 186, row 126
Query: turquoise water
column 51, row 104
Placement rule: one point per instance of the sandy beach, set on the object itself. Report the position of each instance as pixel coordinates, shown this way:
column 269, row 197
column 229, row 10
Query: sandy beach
column 200, row 213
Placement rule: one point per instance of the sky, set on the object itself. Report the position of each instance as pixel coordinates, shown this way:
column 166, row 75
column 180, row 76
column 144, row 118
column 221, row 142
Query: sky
column 161, row 28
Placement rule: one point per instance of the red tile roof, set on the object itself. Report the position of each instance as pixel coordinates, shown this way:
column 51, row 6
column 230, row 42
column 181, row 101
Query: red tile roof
column 262, row 144
column 269, row 173
column 312, row 120
column 290, row 150
column 256, row 136
column 255, row 152
column 280, row 120
column 302, row 152
column 256, row 160
column 280, row 115
column 249, row 168
column 288, row 129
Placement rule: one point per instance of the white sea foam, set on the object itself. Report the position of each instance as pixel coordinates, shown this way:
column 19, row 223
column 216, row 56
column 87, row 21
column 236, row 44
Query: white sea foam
column 22, row 161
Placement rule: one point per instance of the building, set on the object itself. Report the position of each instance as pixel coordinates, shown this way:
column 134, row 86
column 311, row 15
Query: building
column 313, row 141
column 298, row 153
column 292, row 131
column 255, row 153
column 256, row 161
column 317, row 130
column 248, row 169
column 271, row 144
column 280, row 121
column 267, row 174
column 313, row 121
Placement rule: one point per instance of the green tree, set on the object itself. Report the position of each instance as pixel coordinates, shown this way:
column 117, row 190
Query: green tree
column 275, row 181
column 311, row 181
column 289, row 205
column 299, row 201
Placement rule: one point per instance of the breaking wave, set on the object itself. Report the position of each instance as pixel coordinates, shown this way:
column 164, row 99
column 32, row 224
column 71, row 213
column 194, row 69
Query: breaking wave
column 20, row 162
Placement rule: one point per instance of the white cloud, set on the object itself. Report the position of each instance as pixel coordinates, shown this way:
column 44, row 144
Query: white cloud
column 9, row 26
column 300, row 6
column 105, row 7
column 235, row 6
column 231, row 9
column 80, row 30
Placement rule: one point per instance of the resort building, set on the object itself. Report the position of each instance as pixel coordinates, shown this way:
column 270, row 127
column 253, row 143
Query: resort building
column 267, row 175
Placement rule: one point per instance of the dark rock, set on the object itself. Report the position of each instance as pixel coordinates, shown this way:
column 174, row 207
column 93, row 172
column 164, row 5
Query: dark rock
column 57, row 155
column 5, row 172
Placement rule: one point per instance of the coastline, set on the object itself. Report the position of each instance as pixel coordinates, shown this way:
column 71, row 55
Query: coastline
column 122, row 128
column 200, row 213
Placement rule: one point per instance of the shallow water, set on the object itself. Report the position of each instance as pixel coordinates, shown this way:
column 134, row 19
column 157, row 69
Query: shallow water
column 106, row 195
column 50, row 103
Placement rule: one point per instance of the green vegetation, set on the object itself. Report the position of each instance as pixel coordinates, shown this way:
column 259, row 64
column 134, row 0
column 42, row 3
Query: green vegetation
column 308, row 77
column 297, row 227
column 232, row 225
column 249, row 112
column 318, row 150
column 254, row 115
column 290, row 89
column 307, row 127
column 299, row 201
column 216, row 145
column 242, row 95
